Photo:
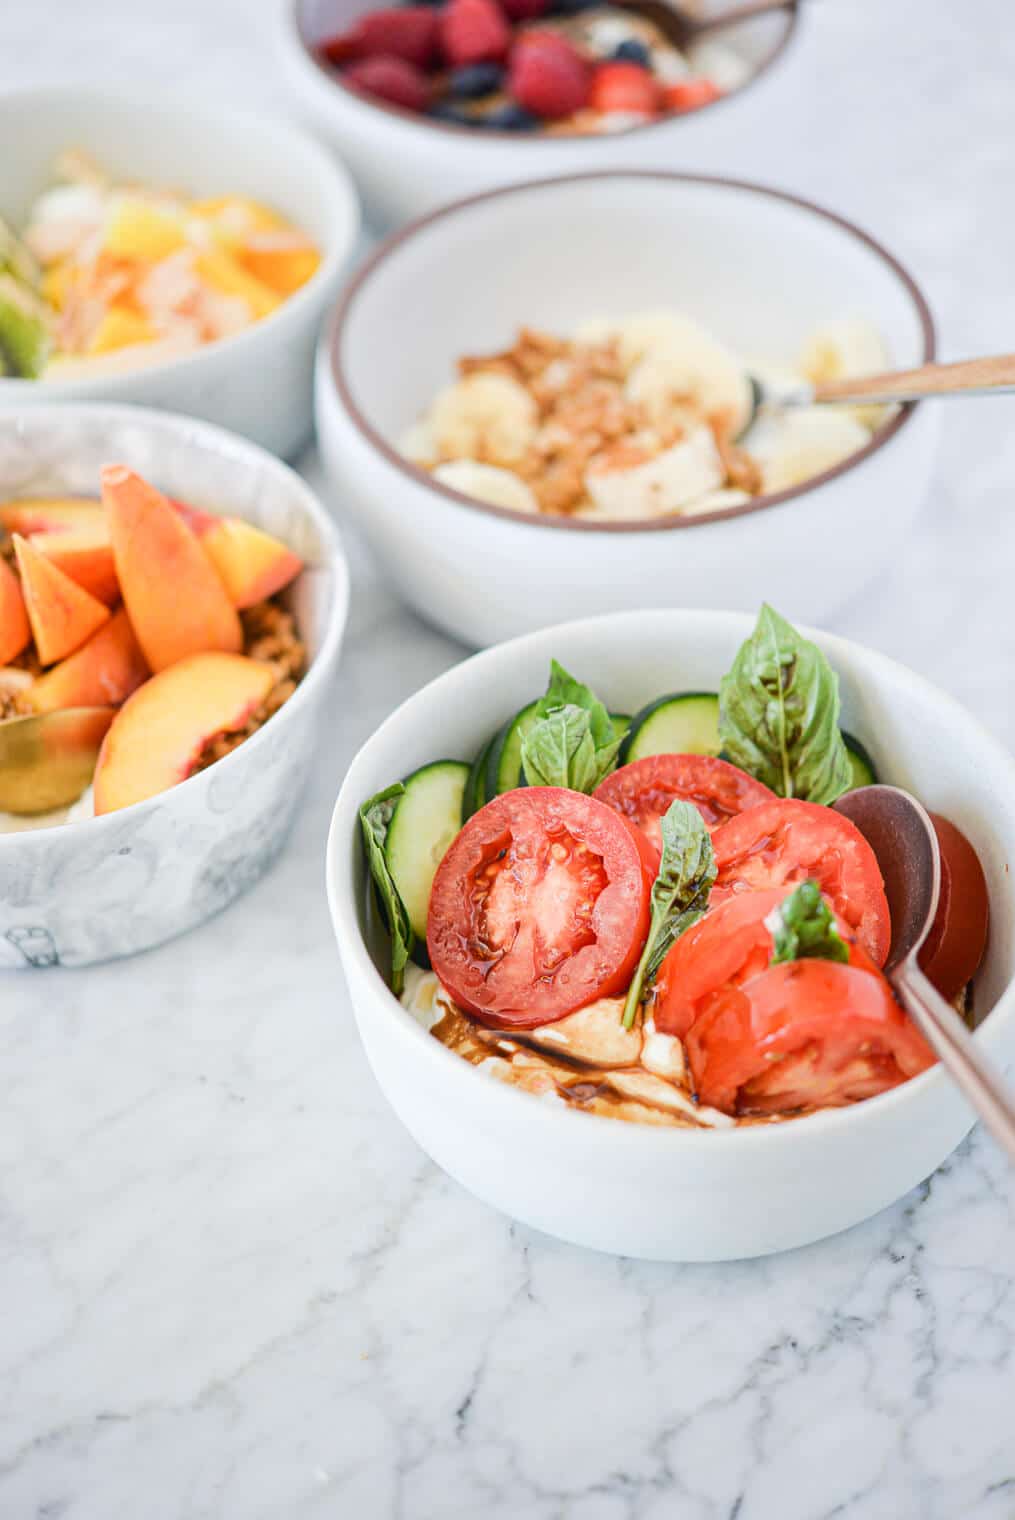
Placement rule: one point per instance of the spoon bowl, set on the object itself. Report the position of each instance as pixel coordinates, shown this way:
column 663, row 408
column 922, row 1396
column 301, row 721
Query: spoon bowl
column 47, row 759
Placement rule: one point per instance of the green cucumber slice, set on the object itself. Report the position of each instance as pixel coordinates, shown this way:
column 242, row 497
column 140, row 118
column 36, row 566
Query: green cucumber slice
column 860, row 763
column 683, row 723
column 504, row 763
column 474, row 796
column 426, row 818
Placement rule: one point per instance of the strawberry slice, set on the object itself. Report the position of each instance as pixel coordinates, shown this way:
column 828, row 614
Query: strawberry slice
column 623, row 86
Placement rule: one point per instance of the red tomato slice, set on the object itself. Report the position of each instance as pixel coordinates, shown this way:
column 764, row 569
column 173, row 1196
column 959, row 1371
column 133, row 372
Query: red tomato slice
column 805, row 1034
column 786, row 841
column 729, row 946
column 644, row 790
column 953, row 950
column 540, row 906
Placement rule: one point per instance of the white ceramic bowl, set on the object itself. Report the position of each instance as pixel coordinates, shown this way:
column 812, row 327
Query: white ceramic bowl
column 107, row 887
column 757, row 267
column 676, row 1194
column 406, row 165
column 259, row 382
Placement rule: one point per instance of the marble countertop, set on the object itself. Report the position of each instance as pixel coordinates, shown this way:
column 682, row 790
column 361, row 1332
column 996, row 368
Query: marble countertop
column 232, row 1288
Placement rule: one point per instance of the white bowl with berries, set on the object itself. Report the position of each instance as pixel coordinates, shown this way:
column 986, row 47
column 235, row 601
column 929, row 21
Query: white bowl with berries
column 429, row 101
column 504, row 273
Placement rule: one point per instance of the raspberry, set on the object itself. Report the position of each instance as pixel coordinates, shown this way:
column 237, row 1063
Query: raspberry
column 474, row 31
column 548, row 76
column 411, row 33
column 525, row 10
column 390, row 79
column 626, row 87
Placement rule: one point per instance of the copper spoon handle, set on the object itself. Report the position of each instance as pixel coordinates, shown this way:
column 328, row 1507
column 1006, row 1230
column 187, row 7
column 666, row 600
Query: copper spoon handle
column 969, row 377
column 959, row 1053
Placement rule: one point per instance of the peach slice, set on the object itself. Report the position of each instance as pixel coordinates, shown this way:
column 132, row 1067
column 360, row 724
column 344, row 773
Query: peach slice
column 15, row 629
column 157, row 737
column 86, row 555
column 51, row 514
column 102, row 673
column 177, row 604
column 251, row 564
column 61, row 613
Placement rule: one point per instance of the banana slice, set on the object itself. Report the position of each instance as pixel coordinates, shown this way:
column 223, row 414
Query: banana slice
column 487, row 482
column 418, row 444
column 486, row 415
column 795, row 445
column 684, row 361
column 654, row 487
column 716, row 501
column 842, row 350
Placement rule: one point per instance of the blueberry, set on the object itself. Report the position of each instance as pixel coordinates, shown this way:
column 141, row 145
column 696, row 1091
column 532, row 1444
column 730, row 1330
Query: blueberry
column 511, row 118
column 451, row 114
column 633, row 51
column 474, row 80
column 572, row 7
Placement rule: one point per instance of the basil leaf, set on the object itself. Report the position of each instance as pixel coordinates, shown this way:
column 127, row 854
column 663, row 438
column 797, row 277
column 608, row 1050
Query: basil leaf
column 560, row 750
column 565, row 691
column 375, row 818
column 803, row 927
column 779, row 714
column 679, row 897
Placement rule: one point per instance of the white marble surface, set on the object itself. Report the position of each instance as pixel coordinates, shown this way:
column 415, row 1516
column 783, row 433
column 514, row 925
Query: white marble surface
column 231, row 1286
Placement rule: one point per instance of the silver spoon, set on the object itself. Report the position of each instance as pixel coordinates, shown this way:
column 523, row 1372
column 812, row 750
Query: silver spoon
column 902, row 837
column 967, row 377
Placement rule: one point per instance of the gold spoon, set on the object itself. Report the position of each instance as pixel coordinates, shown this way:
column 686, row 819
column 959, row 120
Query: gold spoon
column 47, row 760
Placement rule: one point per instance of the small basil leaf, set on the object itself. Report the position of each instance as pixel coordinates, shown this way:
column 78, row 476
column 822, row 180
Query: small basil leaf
column 779, row 714
column 375, row 818
column 565, row 691
column 680, row 895
column 559, row 750
column 803, row 927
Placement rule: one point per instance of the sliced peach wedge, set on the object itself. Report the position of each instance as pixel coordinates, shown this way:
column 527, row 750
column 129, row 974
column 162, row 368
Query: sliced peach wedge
column 157, row 737
column 15, row 629
column 86, row 555
column 173, row 595
column 251, row 564
column 61, row 613
column 102, row 673
column 51, row 514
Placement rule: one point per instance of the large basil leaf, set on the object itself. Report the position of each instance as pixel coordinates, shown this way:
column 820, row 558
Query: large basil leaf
column 573, row 741
column 779, row 714
column 679, row 897
column 803, row 927
column 375, row 818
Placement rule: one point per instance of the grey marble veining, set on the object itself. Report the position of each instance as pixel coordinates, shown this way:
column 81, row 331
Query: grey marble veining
column 231, row 1288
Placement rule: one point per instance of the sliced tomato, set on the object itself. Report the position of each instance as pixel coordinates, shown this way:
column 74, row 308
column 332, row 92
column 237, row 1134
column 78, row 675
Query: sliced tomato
column 786, row 841
column 727, row 947
column 644, row 790
column 540, row 906
column 803, row 1035
column 954, row 948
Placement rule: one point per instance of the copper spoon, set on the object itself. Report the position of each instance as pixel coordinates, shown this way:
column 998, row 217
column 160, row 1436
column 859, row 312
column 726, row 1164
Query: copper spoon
column 968, row 377
column 47, row 760
column 681, row 28
column 902, row 837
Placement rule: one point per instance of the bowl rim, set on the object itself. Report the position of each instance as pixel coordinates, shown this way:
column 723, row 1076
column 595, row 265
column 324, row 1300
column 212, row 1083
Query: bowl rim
column 520, row 1106
column 332, row 334
column 324, row 79
column 319, row 671
column 335, row 187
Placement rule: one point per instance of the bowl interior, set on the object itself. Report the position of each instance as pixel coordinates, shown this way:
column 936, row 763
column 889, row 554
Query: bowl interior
column 919, row 739
column 181, row 145
column 54, row 451
column 758, row 269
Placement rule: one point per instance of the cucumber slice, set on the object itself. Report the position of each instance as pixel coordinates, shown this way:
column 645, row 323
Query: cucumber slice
column 860, row 763
column 685, row 723
column 504, row 763
column 474, row 797
column 426, row 819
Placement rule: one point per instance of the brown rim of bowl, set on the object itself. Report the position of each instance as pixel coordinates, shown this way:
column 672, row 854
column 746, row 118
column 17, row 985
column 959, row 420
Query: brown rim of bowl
column 477, row 134
column 645, row 524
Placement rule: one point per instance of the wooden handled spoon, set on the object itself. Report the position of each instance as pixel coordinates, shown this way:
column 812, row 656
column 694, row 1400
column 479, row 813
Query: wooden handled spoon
column 46, row 761
column 902, row 837
column 968, row 377
column 680, row 27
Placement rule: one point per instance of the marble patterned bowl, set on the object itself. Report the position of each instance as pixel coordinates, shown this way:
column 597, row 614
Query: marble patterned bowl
column 259, row 382
column 108, row 887
column 672, row 1194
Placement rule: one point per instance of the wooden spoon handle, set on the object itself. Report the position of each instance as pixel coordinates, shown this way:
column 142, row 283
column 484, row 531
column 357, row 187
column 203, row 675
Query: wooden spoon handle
column 969, row 377
column 737, row 14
